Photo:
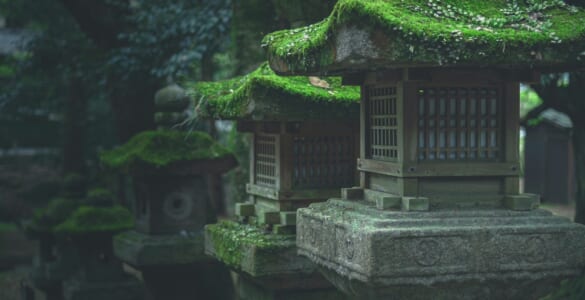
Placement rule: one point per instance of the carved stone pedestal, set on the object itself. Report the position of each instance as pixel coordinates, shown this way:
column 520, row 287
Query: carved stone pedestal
column 441, row 254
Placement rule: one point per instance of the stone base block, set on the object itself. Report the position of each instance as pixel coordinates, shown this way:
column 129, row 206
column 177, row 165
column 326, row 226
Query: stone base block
column 487, row 253
column 140, row 249
column 130, row 289
column 267, row 263
column 522, row 201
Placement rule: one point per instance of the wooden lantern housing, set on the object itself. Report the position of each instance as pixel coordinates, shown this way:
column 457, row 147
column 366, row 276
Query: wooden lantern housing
column 304, row 138
column 446, row 136
column 293, row 164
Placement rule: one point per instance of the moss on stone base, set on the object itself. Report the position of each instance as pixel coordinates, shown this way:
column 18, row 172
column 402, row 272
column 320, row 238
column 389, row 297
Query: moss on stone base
column 45, row 219
column 230, row 240
column 87, row 219
column 161, row 148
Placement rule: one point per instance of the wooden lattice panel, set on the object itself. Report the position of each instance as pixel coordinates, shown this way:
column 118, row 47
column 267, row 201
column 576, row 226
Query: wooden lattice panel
column 323, row 161
column 459, row 124
column 382, row 125
column 265, row 160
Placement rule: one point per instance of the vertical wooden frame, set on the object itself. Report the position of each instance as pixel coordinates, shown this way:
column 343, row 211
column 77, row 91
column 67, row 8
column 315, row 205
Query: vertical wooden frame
column 286, row 162
column 363, row 136
column 512, row 132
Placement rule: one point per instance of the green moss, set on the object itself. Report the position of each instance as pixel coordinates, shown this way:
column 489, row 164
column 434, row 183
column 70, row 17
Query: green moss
column 87, row 219
column 264, row 95
column 99, row 197
column 573, row 289
column 231, row 239
column 57, row 211
column 439, row 32
column 7, row 227
column 161, row 148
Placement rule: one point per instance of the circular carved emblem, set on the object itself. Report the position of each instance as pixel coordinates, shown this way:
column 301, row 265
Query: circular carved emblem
column 534, row 249
column 427, row 252
column 178, row 206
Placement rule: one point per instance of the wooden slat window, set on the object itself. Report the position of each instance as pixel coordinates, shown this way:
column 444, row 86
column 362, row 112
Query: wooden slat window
column 265, row 160
column 323, row 161
column 382, row 124
column 459, row 124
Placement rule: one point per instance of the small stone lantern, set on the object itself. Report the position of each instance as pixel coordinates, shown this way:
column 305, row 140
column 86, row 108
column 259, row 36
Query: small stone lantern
column 438, row 213
column 304, row 147
column 56, row 259
column 99, row 274
column 76, row 259
column 171, row 207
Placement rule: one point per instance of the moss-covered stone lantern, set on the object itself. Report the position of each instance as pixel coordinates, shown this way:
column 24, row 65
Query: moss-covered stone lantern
column 56, row 258
column 99, row 274
column 76, row 259
column 171, row 206
column 438, row 213
column 304, row 147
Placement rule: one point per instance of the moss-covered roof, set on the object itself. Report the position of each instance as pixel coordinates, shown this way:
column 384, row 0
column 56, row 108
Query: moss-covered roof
column 88, row 219
column 263, row 95
column 378, row 34
column 56, row 211
column 161, row 148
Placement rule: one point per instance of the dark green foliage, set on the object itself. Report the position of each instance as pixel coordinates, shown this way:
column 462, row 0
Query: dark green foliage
column 88, row 219
column 169, row 37
column 56, row 212
column 161, row 148
column 99, row 197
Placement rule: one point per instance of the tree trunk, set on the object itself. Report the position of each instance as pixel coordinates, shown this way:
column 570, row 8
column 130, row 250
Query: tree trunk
column 579, row 150
column 133, row 105
column 75, row 128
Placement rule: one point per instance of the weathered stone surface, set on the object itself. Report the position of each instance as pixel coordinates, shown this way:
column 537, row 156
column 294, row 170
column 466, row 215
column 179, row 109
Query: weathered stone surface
column 522, row 202
column 255, row 252
column 244, row 209
column 415, row 204
column 453, row 254
column 140, row 249
column 388, row 202
column 267, row 263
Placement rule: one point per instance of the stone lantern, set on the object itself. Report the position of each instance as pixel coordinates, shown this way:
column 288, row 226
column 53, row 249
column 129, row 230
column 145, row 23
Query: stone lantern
column 75, row 259
column 56, row 259
column 304, row 147
column 171, row 206
column 438, row 213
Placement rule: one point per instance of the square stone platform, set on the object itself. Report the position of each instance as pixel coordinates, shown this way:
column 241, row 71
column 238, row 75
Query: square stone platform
column 441, row 254
column 268, row 264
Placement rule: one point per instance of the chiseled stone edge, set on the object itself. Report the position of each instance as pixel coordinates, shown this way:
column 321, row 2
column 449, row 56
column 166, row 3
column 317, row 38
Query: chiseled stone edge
column 360, row 243
column 140, row 249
